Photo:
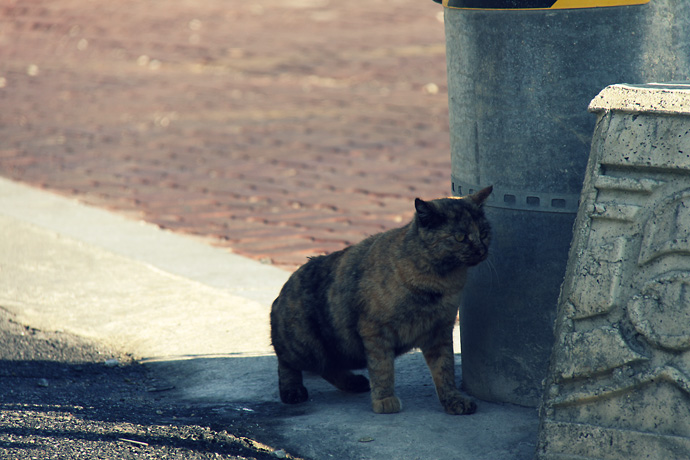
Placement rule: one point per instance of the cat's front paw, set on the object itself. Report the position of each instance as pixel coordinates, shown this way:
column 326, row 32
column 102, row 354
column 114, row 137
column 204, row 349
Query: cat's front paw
column 294, row 395
column 388, row 405
column 457, row 404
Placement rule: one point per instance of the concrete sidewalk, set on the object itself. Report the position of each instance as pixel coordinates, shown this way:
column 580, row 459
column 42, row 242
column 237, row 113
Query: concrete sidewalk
column 199, row 316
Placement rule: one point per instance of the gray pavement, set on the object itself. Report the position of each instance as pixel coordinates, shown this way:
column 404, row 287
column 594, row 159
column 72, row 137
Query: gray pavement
column 198, row 316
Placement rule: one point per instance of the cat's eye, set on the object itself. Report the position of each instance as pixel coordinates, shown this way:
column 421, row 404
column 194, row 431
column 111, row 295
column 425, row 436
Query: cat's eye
column 460, row 237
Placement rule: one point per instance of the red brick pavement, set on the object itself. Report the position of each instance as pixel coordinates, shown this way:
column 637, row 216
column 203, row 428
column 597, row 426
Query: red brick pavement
column 278, row 128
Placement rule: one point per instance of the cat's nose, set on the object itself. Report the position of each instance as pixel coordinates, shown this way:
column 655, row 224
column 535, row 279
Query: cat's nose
column 477, row 242
column 481, row 250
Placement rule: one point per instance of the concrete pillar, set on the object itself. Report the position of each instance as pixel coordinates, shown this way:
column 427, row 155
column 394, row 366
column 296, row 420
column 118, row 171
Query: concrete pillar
column 519, row 82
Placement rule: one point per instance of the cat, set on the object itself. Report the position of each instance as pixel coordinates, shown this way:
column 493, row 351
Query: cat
column 362, row 306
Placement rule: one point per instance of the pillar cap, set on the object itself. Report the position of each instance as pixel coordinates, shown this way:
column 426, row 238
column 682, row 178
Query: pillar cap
column 671, row 98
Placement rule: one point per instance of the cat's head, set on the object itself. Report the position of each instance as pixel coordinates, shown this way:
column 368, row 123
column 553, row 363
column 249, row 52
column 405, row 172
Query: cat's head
column 454, row 229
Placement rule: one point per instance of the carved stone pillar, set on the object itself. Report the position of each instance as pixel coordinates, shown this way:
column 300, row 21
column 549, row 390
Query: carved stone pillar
column 619, row 380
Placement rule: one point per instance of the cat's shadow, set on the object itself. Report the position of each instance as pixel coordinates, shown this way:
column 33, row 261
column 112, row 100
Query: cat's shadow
column 413, row 385
column 253, row 379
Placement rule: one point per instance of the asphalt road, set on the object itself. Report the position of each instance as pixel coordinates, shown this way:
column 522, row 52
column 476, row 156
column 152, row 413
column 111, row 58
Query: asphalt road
column 62, row 396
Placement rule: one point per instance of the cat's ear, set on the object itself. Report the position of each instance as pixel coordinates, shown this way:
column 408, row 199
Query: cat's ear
column 480, row 197
column 426, row 213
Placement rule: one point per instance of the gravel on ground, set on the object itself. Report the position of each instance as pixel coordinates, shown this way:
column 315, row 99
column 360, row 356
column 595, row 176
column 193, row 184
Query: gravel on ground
column 62, row 396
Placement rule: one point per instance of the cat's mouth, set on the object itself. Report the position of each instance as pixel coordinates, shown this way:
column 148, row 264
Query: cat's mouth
column 476, row 258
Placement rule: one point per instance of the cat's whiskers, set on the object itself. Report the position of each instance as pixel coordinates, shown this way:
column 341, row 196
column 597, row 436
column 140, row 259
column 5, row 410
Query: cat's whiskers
column 492, row 269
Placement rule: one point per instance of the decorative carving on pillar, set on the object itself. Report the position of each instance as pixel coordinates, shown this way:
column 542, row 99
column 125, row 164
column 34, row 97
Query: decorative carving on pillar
column 619, row 381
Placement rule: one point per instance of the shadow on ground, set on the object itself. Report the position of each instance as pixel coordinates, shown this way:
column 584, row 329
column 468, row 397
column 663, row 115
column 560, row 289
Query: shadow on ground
column 64, row 397
column 61, row 395
column 333, row 424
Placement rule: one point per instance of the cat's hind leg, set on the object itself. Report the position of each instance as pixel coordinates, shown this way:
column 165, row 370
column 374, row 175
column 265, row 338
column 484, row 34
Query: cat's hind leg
column 345, row 380
column 292, row 390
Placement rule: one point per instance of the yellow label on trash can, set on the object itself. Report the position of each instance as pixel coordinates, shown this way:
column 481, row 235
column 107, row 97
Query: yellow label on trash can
column 536, row 4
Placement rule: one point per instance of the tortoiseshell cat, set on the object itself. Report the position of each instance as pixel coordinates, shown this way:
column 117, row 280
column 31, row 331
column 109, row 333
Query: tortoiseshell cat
column 368, row 303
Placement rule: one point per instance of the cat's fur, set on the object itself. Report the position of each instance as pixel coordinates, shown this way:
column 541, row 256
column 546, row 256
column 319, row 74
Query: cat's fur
column 368, row 303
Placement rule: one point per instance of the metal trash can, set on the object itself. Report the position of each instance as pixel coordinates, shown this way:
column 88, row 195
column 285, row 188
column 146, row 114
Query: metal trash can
column 520, row 76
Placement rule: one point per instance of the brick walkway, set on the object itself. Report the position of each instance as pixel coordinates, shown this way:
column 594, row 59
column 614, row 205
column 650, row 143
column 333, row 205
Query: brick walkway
column 277, row 128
